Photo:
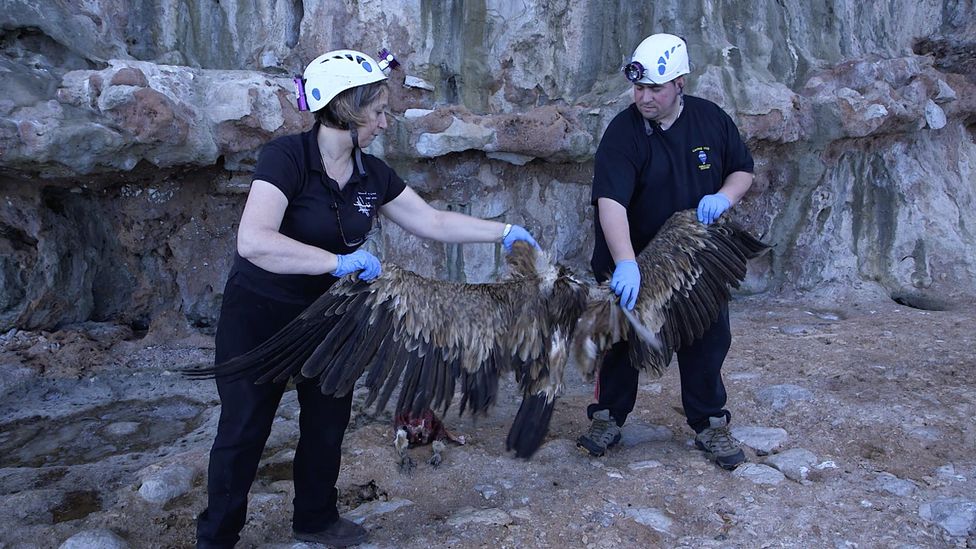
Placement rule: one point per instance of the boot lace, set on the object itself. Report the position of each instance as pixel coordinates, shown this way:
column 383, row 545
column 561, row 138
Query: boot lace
column 719, row 440
column 603, row 431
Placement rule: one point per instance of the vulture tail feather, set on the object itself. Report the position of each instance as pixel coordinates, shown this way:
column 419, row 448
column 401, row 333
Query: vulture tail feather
column 530, row 425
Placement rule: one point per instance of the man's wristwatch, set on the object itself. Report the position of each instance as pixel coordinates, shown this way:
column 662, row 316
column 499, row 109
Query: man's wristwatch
column 508, row 229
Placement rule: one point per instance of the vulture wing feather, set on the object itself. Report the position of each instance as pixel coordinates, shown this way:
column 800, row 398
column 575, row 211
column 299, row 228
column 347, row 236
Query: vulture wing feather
column 687, row 271
column 428, row 337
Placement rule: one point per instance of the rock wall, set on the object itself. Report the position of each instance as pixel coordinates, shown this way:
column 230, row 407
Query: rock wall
column 128, row 130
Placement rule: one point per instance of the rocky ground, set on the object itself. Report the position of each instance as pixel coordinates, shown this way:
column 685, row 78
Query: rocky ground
column 859, row 417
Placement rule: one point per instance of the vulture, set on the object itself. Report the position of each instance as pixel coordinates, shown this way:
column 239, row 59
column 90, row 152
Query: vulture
column 431, row 337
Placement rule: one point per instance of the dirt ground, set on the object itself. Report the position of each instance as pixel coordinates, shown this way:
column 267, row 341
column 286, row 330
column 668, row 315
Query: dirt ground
column 882, row 395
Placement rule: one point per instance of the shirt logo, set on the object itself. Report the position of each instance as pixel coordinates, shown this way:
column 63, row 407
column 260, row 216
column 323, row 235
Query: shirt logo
column 702, row 153
column 364, row 203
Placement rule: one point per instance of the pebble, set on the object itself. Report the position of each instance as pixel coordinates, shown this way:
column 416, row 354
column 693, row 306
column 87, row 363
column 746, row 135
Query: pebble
column 480, row 516
column 894, row 485
column 956, row 515
column 948, row 472
column 122, row 428
column 487, row 491
column 758, row 473
column 795, row 463
column 764, row 440
column 100, row 538
column 375, row 508
column 781, row 396
column 798, row 329
column 633, row 434
column 652, row 518
column 648, row 464
column 167, row 483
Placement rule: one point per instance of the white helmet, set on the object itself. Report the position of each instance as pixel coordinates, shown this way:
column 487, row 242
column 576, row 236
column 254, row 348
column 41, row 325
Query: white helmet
column 659, row 59
column 332, row 73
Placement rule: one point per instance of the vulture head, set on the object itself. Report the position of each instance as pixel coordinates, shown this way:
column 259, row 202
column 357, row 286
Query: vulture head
column 433, row 338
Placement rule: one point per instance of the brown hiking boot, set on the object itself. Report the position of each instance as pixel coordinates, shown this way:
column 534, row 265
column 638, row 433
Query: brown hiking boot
column 719, row 444
column 603, row 434
column 341, row 533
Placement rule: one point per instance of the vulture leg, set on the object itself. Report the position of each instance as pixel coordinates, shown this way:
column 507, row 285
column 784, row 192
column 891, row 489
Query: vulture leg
column 437, row 447
column 401, row 443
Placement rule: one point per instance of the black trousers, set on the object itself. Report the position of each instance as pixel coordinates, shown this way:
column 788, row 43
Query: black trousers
column 702, row 391
column 246, row 414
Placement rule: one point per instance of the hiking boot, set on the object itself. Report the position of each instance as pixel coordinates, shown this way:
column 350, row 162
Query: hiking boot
column 603, row 434
column 719, row 444
column 340, row 533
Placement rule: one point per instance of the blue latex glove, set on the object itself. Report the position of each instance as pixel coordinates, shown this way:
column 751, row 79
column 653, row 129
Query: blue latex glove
column 518, row 233
column 626, row 283
column 360, row 260
column 711, row 206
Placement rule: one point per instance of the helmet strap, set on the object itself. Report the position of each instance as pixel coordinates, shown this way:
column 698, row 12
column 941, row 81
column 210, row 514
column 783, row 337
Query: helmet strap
column 354, row 133
column 359, row 97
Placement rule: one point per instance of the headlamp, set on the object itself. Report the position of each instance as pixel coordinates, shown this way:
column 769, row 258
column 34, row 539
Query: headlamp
column 634, row 71
column 387, row 61
column 300, row 93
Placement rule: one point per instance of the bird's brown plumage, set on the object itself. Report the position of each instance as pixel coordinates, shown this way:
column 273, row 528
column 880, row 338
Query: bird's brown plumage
column 687, row 272
column 427, row 336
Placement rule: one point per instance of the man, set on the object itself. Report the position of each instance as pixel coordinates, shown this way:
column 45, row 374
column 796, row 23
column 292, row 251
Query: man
column 666, row 152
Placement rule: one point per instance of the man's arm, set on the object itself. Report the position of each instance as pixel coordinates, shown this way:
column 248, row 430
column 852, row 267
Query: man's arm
column 735, row 186
column 711, row 206
column 616, row 229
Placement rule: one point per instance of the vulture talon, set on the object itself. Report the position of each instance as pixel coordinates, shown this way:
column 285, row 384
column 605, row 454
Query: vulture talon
column 401, row 442
column 407, row 465
column 436, row 458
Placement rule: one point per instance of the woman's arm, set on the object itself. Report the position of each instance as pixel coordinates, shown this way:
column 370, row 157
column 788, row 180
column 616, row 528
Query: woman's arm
column 259, row 241
column 414, row 214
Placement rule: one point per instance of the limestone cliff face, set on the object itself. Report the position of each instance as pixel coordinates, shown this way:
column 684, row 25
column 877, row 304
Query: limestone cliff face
column 128, row 130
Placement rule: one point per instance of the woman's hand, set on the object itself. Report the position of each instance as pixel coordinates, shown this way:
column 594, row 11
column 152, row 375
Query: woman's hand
column 360, row 260
column 514, row 233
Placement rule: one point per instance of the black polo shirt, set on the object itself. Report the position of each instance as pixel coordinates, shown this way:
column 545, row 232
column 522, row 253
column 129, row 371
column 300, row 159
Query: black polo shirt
column 318, row 213
column 654, row 173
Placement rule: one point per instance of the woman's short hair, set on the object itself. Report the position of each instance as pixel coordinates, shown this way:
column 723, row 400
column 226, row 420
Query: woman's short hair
column 348, row 109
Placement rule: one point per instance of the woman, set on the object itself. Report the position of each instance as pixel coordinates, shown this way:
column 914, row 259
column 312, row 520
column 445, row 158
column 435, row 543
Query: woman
column 312, row 201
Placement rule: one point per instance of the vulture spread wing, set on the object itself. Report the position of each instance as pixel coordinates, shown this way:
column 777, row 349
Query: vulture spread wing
column 687, row 272
column 430, row 337
column 427, row 337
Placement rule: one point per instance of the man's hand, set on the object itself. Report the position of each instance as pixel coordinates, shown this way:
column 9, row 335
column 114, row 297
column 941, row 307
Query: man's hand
column 360, row 260
column 711, row 206
column 626, row 283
